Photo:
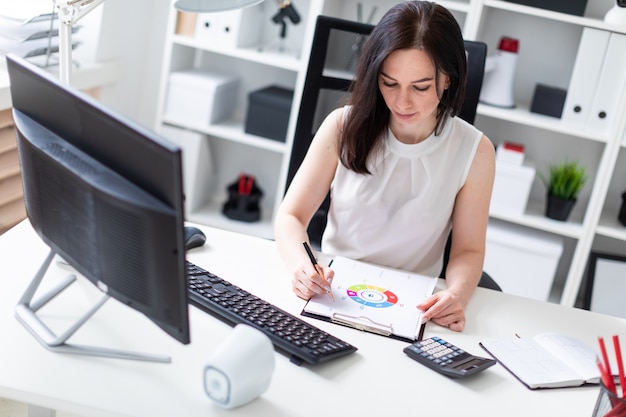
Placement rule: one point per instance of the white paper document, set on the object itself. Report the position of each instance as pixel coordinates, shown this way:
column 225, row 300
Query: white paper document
column 374, row 298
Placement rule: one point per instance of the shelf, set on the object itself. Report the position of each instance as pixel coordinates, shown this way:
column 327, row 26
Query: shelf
column 252, row 54
column 523, row 116
column 609, row 226
column 211, row 214
column 338, row 73
column 556, row 16
column 458, row 6
column 232, row 130
column 534, row 217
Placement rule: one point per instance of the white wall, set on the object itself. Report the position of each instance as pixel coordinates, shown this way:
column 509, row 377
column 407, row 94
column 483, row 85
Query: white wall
column 133, row 31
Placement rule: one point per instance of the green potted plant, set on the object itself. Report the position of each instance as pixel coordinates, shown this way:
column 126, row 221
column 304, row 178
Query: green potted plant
column 564, row 182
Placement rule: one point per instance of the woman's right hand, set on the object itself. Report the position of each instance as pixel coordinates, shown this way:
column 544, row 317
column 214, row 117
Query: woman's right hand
column 309, row 280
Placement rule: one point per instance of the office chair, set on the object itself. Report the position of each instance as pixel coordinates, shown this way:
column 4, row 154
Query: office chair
column 319, row 90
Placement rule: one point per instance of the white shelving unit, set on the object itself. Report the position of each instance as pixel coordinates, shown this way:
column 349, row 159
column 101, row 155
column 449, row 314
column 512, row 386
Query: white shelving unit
column 232, row 150
column 548, row 46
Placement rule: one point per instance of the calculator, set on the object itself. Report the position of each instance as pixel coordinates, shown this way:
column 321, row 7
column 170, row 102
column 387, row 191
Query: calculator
column 446, row 358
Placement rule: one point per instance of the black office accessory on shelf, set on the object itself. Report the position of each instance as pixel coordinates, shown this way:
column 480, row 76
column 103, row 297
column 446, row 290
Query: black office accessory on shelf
column 574, row 7
column 244, row 196
column 622, row 210
column 548, row 100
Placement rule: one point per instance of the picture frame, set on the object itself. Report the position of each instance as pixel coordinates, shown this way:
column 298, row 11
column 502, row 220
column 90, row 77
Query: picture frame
column 606, row 284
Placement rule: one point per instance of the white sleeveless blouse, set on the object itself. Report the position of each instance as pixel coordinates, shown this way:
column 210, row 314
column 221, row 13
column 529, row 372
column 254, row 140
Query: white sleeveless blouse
column 400, row 216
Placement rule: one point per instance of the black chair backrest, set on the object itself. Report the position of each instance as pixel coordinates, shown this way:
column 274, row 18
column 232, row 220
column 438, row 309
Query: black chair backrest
column 329, row 37
column 476, row 57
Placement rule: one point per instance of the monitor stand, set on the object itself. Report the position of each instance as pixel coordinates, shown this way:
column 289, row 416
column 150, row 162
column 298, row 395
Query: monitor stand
column 26, row 310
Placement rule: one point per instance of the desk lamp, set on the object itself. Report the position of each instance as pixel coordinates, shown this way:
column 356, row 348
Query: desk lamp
column 70, row 12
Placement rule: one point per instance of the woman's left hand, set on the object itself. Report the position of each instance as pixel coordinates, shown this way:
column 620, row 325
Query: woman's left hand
column 444, row 308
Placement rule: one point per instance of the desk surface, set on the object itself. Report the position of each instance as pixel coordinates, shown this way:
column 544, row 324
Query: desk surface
column 379, row 379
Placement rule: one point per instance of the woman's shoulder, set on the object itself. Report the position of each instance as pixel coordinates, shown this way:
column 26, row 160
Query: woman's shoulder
column 328, row 132
column 462, row 133
column 336, row 116
column 463, row 125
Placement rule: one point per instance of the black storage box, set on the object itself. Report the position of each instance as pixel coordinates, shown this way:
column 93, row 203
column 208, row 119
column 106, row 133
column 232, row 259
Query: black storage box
column 268, row 112
column 575, row 7
column 548, row 100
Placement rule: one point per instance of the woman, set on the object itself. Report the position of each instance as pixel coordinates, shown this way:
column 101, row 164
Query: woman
column 401, row 169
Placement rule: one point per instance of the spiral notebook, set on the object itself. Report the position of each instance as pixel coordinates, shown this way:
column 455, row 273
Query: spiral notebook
column 373, row 298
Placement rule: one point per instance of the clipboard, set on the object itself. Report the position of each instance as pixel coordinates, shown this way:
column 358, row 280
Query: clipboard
column 374, row 299
column 376, row 328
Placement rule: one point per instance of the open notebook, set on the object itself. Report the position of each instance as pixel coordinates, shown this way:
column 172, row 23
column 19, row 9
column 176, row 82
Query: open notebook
column 547, row 360
column 374, row 298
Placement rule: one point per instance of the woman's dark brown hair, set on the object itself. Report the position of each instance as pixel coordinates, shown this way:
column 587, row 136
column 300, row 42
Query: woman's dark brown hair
column 413, row 24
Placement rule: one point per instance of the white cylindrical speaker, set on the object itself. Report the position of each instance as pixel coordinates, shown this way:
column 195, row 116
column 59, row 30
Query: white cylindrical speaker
column 617, row 14
column 497, row 88
column 241, row 368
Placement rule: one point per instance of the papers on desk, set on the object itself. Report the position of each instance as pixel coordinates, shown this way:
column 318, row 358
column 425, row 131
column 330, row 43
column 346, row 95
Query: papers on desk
column 31, row 48
column 27, row 11
column 548, row 360
column 30, row 29
column 373, row 298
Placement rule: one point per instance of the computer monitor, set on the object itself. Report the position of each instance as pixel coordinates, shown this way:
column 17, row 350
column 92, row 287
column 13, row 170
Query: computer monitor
column 104, row 194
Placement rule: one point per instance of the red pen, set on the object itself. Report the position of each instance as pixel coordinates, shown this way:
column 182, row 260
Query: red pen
column 245, row 184
column 620, row 364
column 610, row 384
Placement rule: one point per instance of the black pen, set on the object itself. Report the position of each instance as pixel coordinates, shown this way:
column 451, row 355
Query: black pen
column 319, row 271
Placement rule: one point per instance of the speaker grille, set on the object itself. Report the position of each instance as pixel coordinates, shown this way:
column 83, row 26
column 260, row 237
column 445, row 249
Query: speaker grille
column 69, row 226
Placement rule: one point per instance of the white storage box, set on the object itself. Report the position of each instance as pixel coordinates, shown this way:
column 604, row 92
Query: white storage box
column 522, row 261
column 510, row 152
column 198, row 171
column 231, row 29
column 201, row 97
column 511, row 188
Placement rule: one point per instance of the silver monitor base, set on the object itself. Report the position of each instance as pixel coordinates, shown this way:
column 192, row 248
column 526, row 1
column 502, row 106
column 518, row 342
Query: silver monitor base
column 26, row 310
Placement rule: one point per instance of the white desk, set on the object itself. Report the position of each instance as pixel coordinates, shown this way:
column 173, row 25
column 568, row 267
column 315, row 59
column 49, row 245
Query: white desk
column 378, row 380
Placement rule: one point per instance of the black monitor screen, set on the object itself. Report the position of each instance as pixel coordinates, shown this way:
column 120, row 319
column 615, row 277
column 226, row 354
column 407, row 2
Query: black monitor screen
column 104, row 193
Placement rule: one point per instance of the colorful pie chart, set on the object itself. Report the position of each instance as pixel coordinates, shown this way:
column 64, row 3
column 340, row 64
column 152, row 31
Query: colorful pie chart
column 372, row 296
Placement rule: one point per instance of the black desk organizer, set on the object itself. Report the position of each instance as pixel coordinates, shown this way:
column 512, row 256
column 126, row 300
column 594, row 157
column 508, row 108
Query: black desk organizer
column 244, row 196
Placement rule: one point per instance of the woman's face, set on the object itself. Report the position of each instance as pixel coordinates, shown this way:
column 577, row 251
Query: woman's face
column 407, row 84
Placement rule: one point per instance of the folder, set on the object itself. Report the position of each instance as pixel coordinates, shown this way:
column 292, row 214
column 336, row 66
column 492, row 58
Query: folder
column 610, row 89
column 585, row 77
column 374, row 299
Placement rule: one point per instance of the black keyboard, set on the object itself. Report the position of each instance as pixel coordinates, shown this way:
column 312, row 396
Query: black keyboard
column 291, row 335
